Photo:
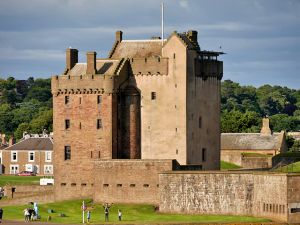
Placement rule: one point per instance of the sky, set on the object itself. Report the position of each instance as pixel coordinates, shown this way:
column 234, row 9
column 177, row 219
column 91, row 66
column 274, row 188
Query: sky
column 261, row 38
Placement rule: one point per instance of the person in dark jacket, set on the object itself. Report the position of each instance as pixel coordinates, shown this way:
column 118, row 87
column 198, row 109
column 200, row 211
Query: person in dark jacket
column 1, row 214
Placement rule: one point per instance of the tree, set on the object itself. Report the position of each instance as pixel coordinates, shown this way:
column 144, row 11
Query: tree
column 23, row 127
column 6, row 116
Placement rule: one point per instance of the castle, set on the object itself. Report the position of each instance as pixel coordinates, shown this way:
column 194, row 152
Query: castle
column 130, row 128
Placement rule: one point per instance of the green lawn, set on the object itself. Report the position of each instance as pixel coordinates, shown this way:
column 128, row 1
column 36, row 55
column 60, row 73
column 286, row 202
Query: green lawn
column 131, row 213
column 18, row 180
column 229, row 166
column 291, row 168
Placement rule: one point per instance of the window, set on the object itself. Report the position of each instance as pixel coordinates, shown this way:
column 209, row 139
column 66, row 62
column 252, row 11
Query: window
column 105, row 185
column 146, row 185
column 174, row 56
column 73, row 184
column 79, row 125
column 99, row 99
column 67, row 99
column 14, row 156
column 200, row 121
column 14, row 169
column 132, row 185
column 119, row 185
column 30, row 156
column 203, row 154
column 91, row 154
column 48, row 156
column 79, row 100
column 153, row 95
column 63, row 184
column 67, row 124
column 67, row 152
column 99, row 123
column 176, row 151
column 48, row 169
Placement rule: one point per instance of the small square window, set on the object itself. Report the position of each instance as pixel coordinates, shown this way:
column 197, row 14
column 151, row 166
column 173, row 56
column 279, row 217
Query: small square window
column 153, row 95
column 67, row 99
column 99, row 124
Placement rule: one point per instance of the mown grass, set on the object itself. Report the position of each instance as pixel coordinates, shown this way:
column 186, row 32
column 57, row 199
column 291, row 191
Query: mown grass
column 291, row 168
column 229, row 166
column 131, row 214
column 18, row 180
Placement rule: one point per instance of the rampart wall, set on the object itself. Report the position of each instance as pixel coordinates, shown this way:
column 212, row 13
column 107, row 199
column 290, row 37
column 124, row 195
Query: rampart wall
column 129, row 181
column 149, row 66
column 229, row 193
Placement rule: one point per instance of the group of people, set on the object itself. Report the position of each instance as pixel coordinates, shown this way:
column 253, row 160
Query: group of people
column 31, row 214
column 106, row 208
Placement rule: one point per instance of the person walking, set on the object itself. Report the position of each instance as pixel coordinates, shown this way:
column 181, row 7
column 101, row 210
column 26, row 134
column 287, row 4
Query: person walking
column 106, row 211
column 120, row 214
column 1, row 214
column 88, row 216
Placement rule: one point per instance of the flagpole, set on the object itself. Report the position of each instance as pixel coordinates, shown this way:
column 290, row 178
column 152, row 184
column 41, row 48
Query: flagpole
column 162, row 23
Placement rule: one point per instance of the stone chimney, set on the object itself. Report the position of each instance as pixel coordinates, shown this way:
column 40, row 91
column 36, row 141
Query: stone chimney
column 91, row 62
column 11, row 141
column 265, row 130
column 3, row 140
column 193, row 36
column 71, row 58
column 119, row 35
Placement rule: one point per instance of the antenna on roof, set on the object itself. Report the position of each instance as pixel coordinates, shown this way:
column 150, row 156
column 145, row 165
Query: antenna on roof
column 162, row 23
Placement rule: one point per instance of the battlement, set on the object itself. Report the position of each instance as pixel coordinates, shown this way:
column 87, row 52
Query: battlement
column 149, row 66
column 83, row 84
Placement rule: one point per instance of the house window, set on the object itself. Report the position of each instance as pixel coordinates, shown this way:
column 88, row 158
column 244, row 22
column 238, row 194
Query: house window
column 99, row 123
column 153, row 95
column 203, row 154
column 67, row 124
column 48, row 156
column 14, row 156
column 67, row 99
column 67, row 152
column 200, row 121
column 30, row 156
column 99, row 99
column 14, row 169
column 48, row 169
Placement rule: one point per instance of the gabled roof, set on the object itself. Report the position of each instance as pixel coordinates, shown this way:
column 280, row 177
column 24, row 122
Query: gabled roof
column 136, row 49
column 33, row 143
column 251, row 141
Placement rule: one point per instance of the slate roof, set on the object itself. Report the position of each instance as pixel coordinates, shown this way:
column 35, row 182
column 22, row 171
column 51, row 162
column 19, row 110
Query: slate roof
column 137, row 49
column 250, row 141
column 33, row 143
column 103, row 66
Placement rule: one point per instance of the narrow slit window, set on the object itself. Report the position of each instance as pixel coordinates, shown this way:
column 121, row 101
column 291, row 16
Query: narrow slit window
column 203, row 154
column 99, row 99
column 200, row 121
column 91, row 154
column 153, row 95
column 67, row 124
column 67, row 99
column 99, row 124
column 67, row 152
column 79, row 100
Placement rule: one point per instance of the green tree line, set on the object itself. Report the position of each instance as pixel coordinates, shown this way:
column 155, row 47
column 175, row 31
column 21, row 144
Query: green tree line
column 26, row 105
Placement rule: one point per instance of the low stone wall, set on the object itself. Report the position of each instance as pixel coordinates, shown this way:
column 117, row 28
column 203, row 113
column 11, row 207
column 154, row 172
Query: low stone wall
column 129, row 181
column 228, row 193
column 256, row 162
column 27, row 193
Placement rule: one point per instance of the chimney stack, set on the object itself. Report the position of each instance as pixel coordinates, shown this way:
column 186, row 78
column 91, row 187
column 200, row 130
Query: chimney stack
column 91, row 62
column 265, row 130
column 71, row 58
column 193, row 36
column 119, row 36
column 3, row 140
column 11, row 141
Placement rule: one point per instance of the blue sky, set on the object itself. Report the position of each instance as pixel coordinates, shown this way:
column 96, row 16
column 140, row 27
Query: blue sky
column 261, row 37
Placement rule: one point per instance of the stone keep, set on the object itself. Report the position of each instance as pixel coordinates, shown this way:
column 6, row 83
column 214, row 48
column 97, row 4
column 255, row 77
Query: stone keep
column 150, row 99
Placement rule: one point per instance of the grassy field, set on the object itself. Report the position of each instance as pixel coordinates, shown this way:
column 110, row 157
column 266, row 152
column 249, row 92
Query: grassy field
column 131, row 213
column 17, row 180
column 229, row 166
column 291, row 168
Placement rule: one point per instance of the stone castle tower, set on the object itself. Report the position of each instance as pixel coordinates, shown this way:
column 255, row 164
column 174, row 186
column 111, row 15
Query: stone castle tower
column 150, row 99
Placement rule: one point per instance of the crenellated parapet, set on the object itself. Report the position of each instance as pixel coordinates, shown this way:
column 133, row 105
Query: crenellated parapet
column 149, row 66
column 87, row 84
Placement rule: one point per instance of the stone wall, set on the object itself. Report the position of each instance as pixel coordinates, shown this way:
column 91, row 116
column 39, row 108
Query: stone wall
column 129, row 181
column 239, row 193
column 256, row 162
